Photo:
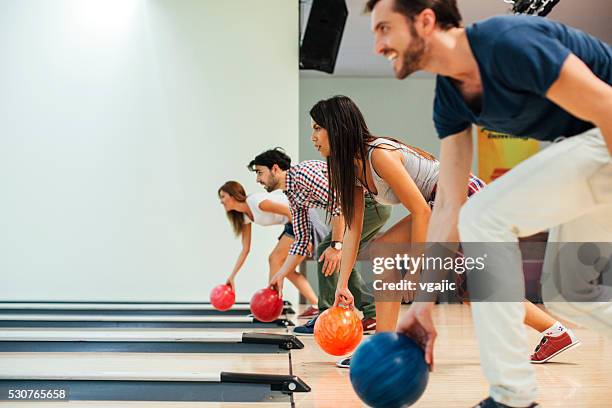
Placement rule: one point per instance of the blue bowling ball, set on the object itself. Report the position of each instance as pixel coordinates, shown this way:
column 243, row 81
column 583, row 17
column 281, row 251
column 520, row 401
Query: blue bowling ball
column 388, row 370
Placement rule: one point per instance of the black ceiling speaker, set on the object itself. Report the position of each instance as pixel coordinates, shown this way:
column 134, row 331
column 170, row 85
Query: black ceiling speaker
column 323, row 34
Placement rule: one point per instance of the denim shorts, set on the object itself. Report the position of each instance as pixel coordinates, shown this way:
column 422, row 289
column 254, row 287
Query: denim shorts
column 288, row 230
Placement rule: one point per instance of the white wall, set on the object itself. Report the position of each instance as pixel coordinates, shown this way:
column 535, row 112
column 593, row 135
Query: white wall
column 119, row 119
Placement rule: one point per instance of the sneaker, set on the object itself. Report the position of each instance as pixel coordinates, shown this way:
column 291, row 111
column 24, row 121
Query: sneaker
column 550, row 346
column 309, row 313
column 305, row 329
column 344, row 363
column 369, row 325
column 491, row 403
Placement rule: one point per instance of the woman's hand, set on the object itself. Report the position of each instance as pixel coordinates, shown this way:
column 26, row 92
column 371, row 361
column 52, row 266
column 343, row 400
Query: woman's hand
column 344, row 297
column 230, row 283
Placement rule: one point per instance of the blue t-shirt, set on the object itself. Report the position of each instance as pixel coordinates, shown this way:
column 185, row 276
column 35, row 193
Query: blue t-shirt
column 519, row 58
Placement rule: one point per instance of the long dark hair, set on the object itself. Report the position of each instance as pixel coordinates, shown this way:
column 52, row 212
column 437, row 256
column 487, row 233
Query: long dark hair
column 236, row 218
column 348, row 137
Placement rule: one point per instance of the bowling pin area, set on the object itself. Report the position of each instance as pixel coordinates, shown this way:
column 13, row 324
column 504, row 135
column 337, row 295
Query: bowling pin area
column 177, row 355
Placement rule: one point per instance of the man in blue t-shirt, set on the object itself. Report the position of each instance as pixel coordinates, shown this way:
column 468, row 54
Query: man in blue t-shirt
column 529, row 77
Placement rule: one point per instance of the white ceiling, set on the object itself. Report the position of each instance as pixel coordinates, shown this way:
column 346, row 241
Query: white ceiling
column 356, row 56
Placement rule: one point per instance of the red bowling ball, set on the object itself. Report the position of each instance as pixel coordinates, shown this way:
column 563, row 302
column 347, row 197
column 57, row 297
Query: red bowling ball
column 266, row 305
column 222, row 297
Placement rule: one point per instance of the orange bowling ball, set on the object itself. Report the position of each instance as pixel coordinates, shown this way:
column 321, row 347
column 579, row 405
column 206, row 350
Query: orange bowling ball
column 338, row 331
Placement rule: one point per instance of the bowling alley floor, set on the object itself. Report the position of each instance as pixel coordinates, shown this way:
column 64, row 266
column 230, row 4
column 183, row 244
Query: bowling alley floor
column 578, row 378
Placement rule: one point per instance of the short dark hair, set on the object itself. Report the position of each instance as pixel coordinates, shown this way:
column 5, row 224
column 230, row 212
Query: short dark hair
column 271, row 157
column 447, row 13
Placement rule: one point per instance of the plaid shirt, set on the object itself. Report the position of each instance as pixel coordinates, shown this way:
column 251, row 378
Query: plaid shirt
column 307, row 186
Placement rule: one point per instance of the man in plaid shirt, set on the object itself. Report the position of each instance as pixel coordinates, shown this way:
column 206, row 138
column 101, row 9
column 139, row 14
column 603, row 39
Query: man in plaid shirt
column 306, row 186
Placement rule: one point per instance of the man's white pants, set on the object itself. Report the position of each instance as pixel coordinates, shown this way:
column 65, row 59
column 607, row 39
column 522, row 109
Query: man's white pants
column 566, row 188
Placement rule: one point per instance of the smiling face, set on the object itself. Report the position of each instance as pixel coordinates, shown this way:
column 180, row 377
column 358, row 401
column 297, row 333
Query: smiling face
column 320, row 139
column 267, row 177
column 227, row 201
column 396, row 38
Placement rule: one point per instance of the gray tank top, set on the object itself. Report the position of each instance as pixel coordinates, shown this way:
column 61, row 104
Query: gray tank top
column 423, row 171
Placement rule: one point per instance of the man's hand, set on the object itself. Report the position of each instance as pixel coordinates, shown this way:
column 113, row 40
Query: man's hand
column 331, row 260
column 276, row 282
column 344, row 297
column 418, row 325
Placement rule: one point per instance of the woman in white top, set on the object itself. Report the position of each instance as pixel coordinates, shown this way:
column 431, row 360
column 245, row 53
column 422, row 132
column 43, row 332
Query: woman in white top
column 393, row 173
column 263, row 209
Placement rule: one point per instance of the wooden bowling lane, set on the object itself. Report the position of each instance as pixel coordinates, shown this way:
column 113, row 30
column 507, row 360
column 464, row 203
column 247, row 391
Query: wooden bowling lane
column 156, row 363
column 166, row 335
column 152, row 366
column 578, row 378
column 169, row 308
column 146, row 404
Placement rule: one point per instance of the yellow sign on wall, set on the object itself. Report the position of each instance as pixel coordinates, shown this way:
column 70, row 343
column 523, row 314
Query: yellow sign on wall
column 498, row 152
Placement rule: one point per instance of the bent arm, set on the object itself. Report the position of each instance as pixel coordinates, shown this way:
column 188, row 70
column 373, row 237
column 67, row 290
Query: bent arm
column 299, row 248
column 581, row 93
column 388, row 164
column 350, row 242
column 337, row 227
column 246, row 247
column 291, row 263
column 455, row 163
column 276, row 208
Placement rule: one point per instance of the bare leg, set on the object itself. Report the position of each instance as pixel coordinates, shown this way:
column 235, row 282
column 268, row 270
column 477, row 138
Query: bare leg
column 537, row 318
column 387, row 312
column 302, row 284
column 386, row 316
column 276, row 259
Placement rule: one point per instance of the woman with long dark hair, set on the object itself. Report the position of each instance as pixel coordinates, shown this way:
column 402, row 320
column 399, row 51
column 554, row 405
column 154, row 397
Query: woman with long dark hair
column 393, row 173
column 264, row 209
